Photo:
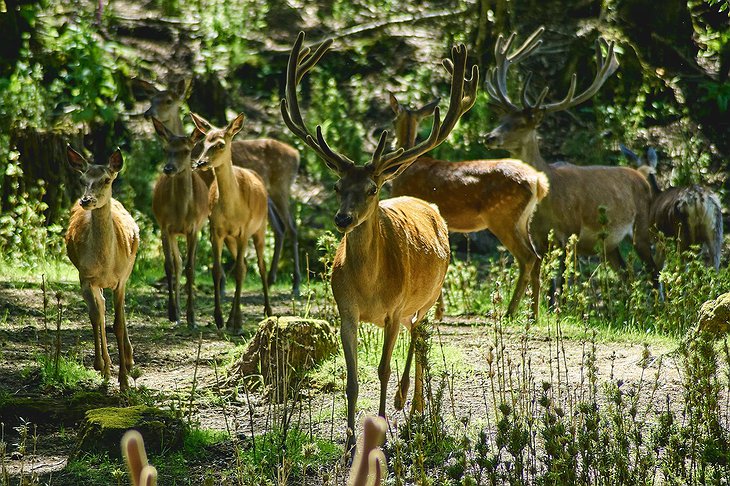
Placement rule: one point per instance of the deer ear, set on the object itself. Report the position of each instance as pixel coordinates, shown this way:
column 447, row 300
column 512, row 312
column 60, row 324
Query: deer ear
column 394, row 105
column 76, row 160
column 143, row 89
column 201, row 123
column 161, row 130
column 651, row 157
column 630, row 154
column 196, row 136
column 116, row 161
column 182, row 88
column 427, row 110
column 235, row 126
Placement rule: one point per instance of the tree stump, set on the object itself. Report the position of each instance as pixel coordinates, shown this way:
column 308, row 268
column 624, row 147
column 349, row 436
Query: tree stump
column 282, row 351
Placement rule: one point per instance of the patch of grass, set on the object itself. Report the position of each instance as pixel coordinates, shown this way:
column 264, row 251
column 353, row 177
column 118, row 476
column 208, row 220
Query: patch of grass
column 66, row 373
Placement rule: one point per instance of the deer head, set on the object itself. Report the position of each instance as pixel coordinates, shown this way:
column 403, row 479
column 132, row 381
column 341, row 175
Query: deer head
column 177, row 148
column 217, row 142
column 359, row 185
column 165, row 103
column 518, row 123
column 96, row 178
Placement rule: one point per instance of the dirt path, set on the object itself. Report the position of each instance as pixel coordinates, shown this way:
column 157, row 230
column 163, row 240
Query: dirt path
column 168, row 359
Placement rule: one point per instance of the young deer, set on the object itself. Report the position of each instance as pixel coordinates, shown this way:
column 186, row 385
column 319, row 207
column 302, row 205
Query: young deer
column 238, row 208
column 692, row 214
column 576, row 192
column 391, row 262
column 102, row 241
column 180, row 206
column 499, row 195
column 276, row 162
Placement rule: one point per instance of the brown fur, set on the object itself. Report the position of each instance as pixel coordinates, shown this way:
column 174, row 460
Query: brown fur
column 498, row 195
column 102, row 243
column 238, row 205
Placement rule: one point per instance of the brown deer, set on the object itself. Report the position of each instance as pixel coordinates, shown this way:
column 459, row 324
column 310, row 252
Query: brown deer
column 577, row 193
column 102, row 241
column 692, row 214
column 238, row 209
column 180, row 206
column 498, row 195
column 276, row 162
column 391, row 262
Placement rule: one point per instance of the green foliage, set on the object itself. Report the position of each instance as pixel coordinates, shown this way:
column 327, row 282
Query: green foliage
column 66, row 373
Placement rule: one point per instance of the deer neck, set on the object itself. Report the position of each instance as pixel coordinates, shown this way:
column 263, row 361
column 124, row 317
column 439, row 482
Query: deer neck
column 362, row 246
column 183, row 184
column 226, row 181
column 529, row 152
column 102, row 229
column 405, row 134
column 176, row 125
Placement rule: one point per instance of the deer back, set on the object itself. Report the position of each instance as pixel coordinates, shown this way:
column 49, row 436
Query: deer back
column 469, row 193
column 399, row 265
column 276, row 162
column 576, row 195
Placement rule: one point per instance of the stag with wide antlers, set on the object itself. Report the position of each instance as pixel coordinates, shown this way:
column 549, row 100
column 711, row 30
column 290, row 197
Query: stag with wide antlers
column 499, row 195
column 391, row 262
column 692, row 214
column 577, row 193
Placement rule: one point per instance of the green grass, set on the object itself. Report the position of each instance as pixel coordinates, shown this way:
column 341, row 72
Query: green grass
column 67, row 373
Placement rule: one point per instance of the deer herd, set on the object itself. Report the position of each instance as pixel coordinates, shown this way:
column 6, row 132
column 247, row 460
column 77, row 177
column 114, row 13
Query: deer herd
column 392, row 259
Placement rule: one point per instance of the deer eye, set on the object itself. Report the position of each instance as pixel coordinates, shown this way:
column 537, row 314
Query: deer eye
column 372, row 191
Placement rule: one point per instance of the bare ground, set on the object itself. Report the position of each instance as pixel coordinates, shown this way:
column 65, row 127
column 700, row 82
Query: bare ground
column 168, row 358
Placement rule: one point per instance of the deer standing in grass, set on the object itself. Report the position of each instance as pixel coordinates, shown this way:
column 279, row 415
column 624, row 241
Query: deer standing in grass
column 499, row 195
column 180, row 206
column 238, row 209
column 576, row 192
column 692, row 214
column 391, row 262
column 102, row 241
column 276, row 162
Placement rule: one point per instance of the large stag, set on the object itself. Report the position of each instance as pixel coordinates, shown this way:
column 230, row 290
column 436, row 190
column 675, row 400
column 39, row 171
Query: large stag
column 391, row 262
column 692, row 214
column 276, row 162
column 577, row 193
column 499, row 195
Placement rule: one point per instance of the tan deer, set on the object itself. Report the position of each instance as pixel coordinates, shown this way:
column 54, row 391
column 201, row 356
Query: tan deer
column 577, row 193
column 276, row 162
column 499, row 195
column 692, row 214
column 102, row 241
column 180, row 206
column 238, row 209
column 391, row 262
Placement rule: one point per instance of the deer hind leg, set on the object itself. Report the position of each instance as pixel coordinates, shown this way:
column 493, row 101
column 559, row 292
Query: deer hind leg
column 392, row 326
column 519, row 245
column 177, row 262
column 192, row 246
column 277, row 225
column 217, row 246
column 291, row 228
column 94, row 298
column 258, row 242
column 126, row 359
column 405, row 380
column 173, row 313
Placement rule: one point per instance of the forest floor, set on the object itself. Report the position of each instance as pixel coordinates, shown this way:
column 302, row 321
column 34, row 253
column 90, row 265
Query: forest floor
column 168, row 359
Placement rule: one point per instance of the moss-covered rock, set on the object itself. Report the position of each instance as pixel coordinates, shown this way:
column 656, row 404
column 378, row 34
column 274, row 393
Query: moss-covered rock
column 103, row 429
column 283, row 350
column 57, row 410
column 714, row 316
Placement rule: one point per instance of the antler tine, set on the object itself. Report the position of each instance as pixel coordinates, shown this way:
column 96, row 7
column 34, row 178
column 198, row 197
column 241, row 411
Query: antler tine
column 460, row 102
column 606, row 67
column 300, row 62
column 497, row 76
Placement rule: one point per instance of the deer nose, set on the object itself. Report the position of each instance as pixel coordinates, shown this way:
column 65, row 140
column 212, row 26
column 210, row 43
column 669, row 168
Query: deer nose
column 85, row 201
column 343, row 220
column 168, row 169
column 491, row 139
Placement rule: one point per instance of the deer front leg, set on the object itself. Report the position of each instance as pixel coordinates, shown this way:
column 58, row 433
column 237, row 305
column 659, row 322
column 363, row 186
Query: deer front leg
column 192, row 246
column 126, row 359
column 172, row 311
column 391, row 334
column 348, row 335
column 234, row 318
column 258, row 242
column 217, row 246
column 277, row 227
column 94, row 299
